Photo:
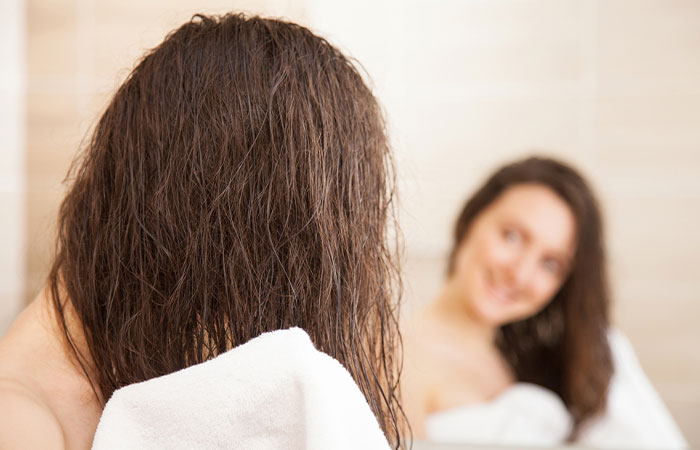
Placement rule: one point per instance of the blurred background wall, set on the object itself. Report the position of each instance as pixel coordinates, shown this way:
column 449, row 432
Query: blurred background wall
column 12, row 149
column 612, row 86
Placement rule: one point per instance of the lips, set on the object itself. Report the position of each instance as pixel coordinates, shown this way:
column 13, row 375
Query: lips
column 499, row 293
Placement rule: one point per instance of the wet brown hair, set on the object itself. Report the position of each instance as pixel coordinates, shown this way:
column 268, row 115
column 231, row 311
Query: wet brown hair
column 239, row 182
column 564, row 347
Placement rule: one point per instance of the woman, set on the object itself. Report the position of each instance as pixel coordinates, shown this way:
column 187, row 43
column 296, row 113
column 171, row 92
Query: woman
column 525, row 301
column 236, row 184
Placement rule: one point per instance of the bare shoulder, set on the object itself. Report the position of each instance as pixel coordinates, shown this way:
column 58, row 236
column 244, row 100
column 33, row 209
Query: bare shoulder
column 421, row 334
column 419, row 372
column 25, row 421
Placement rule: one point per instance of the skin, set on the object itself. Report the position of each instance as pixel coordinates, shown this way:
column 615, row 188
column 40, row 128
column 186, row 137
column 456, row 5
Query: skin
column 46, row 401
column 510, row 265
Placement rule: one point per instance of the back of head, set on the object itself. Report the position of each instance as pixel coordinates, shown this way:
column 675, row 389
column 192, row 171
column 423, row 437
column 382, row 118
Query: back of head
column 236, row 184
column 564, row 347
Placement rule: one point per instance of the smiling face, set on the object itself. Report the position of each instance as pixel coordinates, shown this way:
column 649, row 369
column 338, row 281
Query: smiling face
column 516, row 255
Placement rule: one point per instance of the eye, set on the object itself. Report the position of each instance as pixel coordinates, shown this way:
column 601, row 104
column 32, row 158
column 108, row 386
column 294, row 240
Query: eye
column 552, row 266
column 511, row 235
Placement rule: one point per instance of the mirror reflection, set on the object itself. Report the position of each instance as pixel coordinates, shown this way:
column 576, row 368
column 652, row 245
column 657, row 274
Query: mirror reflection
column 517, row 347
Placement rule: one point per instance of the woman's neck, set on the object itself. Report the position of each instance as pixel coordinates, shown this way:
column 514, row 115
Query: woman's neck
column 454, row 309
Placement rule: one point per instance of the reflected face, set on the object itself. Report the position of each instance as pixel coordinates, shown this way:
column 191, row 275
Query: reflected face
column 516, row 255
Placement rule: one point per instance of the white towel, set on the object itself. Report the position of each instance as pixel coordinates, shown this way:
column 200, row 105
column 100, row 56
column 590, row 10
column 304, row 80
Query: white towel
column 525, row 415
column 274, row 392
column 635, row 415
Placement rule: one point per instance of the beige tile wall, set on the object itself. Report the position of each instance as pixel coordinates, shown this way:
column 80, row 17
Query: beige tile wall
column 612, row 85
column 12, row 179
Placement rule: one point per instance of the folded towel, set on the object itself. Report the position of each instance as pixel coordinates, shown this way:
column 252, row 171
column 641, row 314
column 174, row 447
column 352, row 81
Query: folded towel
column 525, row 415
column 274, row 392
column 635, row 416
column 528, row 415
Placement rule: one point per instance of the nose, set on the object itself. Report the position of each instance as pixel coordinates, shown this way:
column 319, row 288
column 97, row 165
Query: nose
column 522, row 270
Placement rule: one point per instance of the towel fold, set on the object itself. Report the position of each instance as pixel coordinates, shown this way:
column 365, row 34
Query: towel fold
column 274, row 392
column 525, row 415
column 635, row 416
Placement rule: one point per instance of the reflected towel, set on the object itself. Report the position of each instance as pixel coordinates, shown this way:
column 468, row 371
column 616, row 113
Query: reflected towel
column 274, row 392
column 529, row 415
column 523, row 415
column 635, row 416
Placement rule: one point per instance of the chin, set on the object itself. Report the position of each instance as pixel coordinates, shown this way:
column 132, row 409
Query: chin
column 492, row 315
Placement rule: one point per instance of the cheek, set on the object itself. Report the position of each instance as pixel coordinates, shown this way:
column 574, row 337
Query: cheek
column 544, row 289
column 467, row 267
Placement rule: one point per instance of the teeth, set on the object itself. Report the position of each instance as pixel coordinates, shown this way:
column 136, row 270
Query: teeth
column 502, row 293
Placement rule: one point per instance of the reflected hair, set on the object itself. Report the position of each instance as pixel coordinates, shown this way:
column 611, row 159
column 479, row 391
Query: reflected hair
column 564, row 347
column 239, row 181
